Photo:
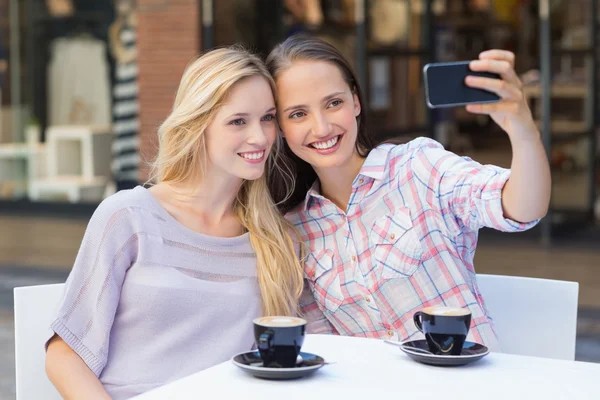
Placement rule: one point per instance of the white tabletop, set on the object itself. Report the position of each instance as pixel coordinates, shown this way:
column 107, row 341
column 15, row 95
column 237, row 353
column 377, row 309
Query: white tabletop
column 369, row 369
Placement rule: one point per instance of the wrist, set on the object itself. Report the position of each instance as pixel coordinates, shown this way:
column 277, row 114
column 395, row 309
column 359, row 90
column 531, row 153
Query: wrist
column 524, row 134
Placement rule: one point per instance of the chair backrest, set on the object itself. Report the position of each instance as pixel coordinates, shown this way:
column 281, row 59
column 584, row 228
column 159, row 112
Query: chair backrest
column 533, row 317
column 34, row 309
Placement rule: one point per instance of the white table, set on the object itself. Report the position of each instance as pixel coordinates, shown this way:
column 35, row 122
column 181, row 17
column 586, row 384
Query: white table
column 368, row 369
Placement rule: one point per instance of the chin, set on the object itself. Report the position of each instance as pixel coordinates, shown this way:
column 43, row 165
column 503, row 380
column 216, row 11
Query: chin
column 252, row 176
column 331, row 163
column 338, row 160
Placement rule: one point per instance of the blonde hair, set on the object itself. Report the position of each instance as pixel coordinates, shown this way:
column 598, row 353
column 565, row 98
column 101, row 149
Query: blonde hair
column 203, row 89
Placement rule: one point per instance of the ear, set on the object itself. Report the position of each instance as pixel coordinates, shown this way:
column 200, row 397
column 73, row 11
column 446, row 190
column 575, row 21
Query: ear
column 357, row 106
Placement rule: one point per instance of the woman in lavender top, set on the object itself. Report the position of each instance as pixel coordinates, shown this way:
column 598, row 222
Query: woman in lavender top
column 168, row 279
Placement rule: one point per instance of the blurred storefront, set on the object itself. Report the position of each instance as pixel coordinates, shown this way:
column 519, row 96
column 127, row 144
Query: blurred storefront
column 86, row 83
column 72, row 132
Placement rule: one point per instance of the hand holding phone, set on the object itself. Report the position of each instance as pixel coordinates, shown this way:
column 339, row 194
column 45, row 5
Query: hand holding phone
column 487, row 86
column 445, row 85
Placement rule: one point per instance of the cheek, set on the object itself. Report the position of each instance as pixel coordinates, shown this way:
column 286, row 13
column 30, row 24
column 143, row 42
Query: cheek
column 348, row 120
column 223, row 145
column 271, row 133
column 209, row 145
column 293, row 132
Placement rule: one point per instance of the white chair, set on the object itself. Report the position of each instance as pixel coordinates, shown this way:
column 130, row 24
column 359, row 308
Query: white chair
column 34, row 308
column 533, row 317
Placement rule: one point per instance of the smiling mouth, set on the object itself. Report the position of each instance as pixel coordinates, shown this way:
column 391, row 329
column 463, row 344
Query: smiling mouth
column 253, row 155
column 326, row 144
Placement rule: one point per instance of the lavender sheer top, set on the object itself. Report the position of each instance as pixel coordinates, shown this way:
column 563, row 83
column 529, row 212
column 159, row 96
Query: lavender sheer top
column 149, row 301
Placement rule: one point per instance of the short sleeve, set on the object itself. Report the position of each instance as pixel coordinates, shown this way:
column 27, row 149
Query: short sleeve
column 85, row 315
column 463, row 189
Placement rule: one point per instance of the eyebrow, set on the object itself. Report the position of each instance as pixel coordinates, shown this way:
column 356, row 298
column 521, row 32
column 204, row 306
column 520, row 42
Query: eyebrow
column 326, row 98
column 247, row 115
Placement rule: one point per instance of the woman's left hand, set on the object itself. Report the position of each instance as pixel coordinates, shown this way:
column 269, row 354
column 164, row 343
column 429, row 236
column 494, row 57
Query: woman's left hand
column 526, row 195
column 512, row 112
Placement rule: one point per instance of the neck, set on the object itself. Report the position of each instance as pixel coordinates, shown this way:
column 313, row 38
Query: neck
column 212, row 196
column 336, row 182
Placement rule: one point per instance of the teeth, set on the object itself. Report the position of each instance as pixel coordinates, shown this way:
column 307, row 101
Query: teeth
column 253, row 156
column 326, row 145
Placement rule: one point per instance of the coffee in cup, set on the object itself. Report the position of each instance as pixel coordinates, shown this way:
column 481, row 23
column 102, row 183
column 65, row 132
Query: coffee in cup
column 445, row 328
column 279, row 339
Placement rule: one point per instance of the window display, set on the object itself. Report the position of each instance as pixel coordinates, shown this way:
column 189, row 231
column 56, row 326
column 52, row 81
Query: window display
column 122, row 38
column 80, row 84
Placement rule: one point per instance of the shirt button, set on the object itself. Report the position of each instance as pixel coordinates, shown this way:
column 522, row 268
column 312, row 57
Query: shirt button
column 361, row 181
column 354, row 258
column 368, row 299
column 390, row 333
column 392, row 236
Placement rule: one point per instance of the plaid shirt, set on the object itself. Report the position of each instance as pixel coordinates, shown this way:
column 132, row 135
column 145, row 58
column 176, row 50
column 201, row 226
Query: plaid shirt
column 406, row 242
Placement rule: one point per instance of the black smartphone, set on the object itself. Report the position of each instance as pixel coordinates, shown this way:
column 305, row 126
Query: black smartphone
column 445, row 85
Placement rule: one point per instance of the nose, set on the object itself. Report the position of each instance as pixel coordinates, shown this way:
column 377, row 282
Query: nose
column 321, row 127
column 258, row 136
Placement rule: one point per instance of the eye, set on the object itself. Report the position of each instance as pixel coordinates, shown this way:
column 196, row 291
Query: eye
column 297, row 114
column 269, row 117
column 237, row 122
column 334, row 103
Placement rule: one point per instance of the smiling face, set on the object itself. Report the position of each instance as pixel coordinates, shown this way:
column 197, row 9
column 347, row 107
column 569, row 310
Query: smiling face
column 318, row 114
column 240, row 136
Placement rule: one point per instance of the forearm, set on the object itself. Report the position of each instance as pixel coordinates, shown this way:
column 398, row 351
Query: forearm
column 70, row 374
column 526, row 195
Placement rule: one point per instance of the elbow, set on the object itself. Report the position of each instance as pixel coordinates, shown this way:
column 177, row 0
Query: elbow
column 543, row 212
column 538, row 214
column 527, row 216
column 527, row 210
column 543, row 208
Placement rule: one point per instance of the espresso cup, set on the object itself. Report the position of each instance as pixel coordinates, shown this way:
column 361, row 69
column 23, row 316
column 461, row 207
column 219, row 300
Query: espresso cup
column 445, row 328
column 279, row 340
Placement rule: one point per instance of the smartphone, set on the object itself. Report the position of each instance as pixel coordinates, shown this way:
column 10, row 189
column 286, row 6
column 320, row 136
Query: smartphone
column 445, row 85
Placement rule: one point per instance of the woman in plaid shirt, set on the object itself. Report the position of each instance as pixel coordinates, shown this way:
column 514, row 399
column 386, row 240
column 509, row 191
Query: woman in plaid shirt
column 391, row 229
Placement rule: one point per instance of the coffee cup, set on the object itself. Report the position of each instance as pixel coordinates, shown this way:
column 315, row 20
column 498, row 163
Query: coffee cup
column 279, row 339
column 445, row 328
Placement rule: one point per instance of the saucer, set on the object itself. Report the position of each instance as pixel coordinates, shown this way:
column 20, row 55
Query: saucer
column 471, row 352
column 252, row 363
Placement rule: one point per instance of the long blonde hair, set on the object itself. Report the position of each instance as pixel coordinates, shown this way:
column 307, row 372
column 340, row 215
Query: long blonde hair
column 203, row 89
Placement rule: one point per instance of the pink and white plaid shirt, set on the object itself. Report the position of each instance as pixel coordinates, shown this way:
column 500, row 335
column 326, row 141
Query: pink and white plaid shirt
column 406, row 242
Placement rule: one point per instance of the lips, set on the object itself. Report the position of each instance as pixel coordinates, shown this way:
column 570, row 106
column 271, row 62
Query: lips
column 256, row 155
column 326, row 144
column 253, row 157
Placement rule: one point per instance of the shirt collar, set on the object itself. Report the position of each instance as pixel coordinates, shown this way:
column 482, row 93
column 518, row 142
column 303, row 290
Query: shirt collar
column 373, row 167
column 314, row 191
